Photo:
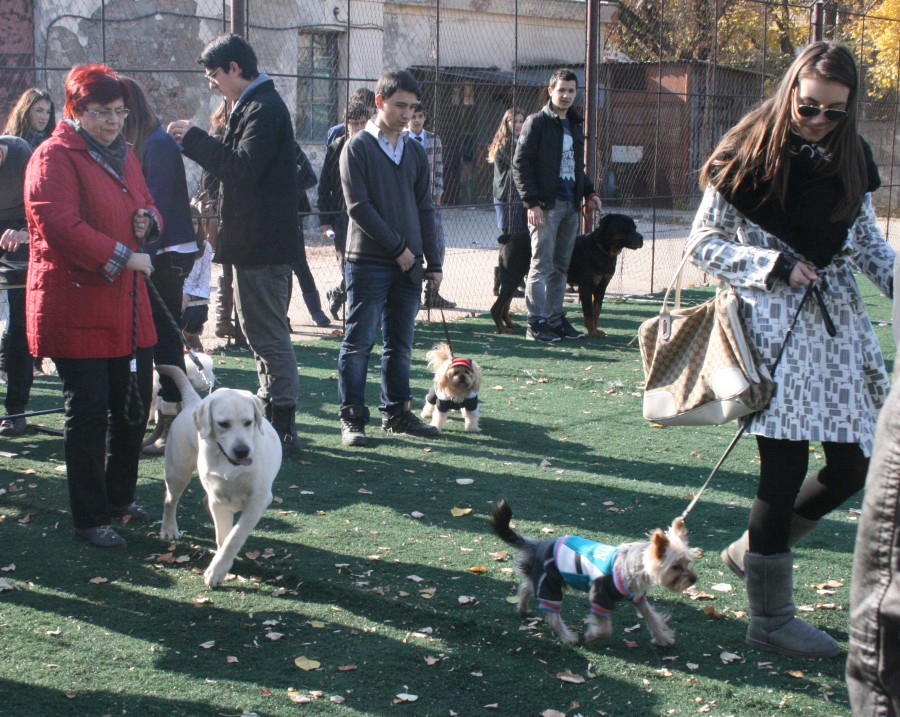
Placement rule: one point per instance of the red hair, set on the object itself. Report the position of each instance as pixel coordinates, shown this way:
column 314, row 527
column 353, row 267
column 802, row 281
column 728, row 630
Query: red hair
column 92, row 83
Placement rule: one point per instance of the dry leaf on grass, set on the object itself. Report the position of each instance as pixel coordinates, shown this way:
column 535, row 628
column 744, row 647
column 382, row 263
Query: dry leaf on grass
column 405, row 697
column 8, row 568
column 4, row 585
column 465, row 599
column 722, row 587
column 465, row 481
column 98, row 581
column 478, row 569
column 459, row 512
column 710, row 611
column 346, row 668
column 201, row 600
column 832, row 584
column 553, row 713
column 415, row 578
column 729, row 657
column 274, row 635
column 305, row 664
column 569, row 676
column 231, row 660
column 208, row 644
column 499, row 556
column 545, row 463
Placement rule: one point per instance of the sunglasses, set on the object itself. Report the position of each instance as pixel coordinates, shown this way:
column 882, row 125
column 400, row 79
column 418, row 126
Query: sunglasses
column 810, row 111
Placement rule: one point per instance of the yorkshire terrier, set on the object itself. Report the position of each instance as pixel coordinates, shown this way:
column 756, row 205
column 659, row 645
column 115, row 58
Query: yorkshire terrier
column 456, row 384
column 607, row 573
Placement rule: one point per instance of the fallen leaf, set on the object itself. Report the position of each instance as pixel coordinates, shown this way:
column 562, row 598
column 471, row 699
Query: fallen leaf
column 4, row 586
column 8, row 568
column 274, row 635
column 54, row 633
column 405, row 697
column 231, row 660
column 208, row 644
column 305, row 664
column 721, row 587
column 569, row 676
column 346, row 668
column 417, row 515
column 703, row 596
column 729, row 657
column 499, row 556
column 98, row 581
column 337, row 699
column 459, row 512
column 415, row 578
column 545, row 463
column 553, row 713
column 630, row 644
column 252, row 554
column 465, row 481
column 692, row 666
column 710, row 611
column 431, row 660
column 665, row 672
column 201, row 600
column 465, row 599
column 478, row 569
column 827, row 584
column 496, row 388
column 795, row 673
column 318, row 624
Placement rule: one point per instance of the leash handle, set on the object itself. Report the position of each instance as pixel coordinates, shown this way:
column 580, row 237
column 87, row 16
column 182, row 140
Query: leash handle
column 811, row 289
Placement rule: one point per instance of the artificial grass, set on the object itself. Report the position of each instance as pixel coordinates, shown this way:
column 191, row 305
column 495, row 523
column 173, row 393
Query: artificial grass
column 341, row 569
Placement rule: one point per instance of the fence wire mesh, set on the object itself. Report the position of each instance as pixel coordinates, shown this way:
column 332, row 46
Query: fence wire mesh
column 668, row 78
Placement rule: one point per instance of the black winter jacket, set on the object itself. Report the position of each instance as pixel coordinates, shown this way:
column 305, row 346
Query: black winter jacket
column 538, row 154
column 256, row 162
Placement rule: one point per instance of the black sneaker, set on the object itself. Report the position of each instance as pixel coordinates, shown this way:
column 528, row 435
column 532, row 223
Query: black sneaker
column 13, row 427
column 541, row 331
column 565, row 330
column 135, row 511
column 409, row 423
column 353, row 432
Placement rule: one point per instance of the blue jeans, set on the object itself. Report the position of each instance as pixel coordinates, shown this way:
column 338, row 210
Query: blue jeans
column 377, row 296
column 551, row 251
column 261, row 299
column 873, row 661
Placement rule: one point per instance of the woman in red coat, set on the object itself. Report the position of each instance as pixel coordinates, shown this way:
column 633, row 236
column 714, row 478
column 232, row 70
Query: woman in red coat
column 89, row 212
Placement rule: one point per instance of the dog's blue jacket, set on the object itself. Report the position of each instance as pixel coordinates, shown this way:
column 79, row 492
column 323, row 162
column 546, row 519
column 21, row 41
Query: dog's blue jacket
column 582, row 564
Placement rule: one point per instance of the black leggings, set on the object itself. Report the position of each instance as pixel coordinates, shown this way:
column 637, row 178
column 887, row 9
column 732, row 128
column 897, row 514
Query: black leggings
column 785, row 489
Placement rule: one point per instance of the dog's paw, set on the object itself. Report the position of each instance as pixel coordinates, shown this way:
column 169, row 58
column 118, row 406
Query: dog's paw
column 215, row 574
column 169, row 532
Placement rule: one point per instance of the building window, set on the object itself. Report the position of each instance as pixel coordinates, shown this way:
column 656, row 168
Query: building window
column 316, row 86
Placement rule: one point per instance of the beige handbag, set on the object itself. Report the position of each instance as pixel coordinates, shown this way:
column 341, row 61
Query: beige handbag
column 700, row 367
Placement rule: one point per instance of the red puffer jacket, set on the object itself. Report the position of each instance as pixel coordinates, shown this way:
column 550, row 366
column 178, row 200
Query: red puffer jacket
column 78, row 213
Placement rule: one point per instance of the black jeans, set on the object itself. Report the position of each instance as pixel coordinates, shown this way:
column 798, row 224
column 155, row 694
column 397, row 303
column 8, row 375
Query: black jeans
column 102, row 441
column 169, row 273
column 18, row 363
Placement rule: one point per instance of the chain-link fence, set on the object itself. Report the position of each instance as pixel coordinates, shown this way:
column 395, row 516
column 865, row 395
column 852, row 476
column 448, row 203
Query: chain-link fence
column 663, row 81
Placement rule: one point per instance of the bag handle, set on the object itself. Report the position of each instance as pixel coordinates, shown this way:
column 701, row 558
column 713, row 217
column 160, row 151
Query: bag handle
column 703, row 234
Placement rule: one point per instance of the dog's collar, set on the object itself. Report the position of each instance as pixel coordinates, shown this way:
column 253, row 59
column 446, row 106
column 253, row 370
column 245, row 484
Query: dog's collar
column 227, row 457
column 461, row 362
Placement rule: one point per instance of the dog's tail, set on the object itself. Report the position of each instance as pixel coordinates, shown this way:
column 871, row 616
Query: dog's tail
column 440, row 353
column 189, row 396
column 501, row 515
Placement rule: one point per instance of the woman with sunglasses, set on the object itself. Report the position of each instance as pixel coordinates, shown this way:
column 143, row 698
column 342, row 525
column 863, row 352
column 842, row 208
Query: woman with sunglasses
column 788, row 195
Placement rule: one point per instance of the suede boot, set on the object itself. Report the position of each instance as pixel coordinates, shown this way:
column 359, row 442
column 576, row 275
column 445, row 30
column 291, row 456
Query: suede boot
column 773, row 625
column 283, row 423
column 155, row 444
column 733, row 555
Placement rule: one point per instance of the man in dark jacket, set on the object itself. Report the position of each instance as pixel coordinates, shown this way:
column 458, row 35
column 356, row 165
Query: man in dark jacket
column 258, row 234
column 548, row 168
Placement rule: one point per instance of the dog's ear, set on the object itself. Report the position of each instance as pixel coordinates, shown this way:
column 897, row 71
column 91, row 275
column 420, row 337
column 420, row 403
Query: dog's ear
column 259, row 412
column 679, row 529
column 659, row 542
column 203, row 418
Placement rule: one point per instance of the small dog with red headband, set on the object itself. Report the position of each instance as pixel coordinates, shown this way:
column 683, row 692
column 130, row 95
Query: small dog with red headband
column 456, row 384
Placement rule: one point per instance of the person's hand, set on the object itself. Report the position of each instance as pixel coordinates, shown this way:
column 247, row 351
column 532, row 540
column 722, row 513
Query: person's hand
column 142, row 223
column 178, row 129
column 536, row 216
column 12, row 239
column 593, row 204
column 434, row 278
column 140, row 262
column 406, row 260
column 803, row 274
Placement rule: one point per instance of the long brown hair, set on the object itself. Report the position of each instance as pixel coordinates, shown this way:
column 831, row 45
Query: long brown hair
column 141, row 119
column 757, row 149
column 18, row 124
column 504, row 133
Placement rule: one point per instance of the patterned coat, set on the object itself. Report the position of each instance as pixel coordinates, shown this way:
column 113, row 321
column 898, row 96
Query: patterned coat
column 827, row 389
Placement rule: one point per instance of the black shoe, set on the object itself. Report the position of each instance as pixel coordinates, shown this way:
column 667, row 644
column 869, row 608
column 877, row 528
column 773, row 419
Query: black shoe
column 103, row 536
column 409, row 423
column 135, row 510
column 541, row 331
column 353, row 432
column 13, row 427
column 565, row 330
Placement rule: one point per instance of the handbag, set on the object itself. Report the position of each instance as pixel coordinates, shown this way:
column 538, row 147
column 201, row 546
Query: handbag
column 700, row 366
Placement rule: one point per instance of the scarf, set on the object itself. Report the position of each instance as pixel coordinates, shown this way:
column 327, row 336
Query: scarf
column 34, row 137
column 113, row 156
column 803, row 221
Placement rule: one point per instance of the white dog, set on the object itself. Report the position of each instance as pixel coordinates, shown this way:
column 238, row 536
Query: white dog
column 237, row 454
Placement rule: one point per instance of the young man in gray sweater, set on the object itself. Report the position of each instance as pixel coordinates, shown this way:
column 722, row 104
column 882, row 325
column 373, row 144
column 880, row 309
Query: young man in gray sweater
column 387, row 189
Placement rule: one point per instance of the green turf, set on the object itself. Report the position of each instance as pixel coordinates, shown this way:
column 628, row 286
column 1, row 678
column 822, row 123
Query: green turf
column 345, row 575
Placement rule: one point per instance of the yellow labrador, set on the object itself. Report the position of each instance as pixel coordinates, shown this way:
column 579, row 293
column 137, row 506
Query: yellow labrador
column 237, row 454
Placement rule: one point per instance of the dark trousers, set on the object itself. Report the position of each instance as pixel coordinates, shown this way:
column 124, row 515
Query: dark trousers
column 102, row 441
column 785, row 488
column 18, row 363
column 169, row 273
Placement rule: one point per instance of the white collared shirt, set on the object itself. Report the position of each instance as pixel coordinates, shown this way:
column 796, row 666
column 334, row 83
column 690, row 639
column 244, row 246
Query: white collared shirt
column 394, row 153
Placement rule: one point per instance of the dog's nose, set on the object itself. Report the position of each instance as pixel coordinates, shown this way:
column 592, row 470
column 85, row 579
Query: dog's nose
column 241, row 451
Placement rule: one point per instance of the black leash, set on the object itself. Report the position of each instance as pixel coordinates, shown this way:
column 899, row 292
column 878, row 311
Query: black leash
column 829, row 327
column 132, row 393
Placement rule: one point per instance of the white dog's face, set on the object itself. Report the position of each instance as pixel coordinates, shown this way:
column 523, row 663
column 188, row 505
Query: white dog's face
column 233, row 419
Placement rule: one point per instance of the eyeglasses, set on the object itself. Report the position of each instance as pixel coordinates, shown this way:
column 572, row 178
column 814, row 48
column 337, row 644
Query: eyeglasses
column 119, row 112
column 212, row 75
column 831, row 115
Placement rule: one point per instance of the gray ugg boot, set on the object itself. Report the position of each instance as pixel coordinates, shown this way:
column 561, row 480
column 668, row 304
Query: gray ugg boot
column 733, row 555
column 773, row 625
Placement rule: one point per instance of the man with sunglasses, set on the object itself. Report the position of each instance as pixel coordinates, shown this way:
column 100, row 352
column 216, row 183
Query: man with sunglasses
column 259, row 229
